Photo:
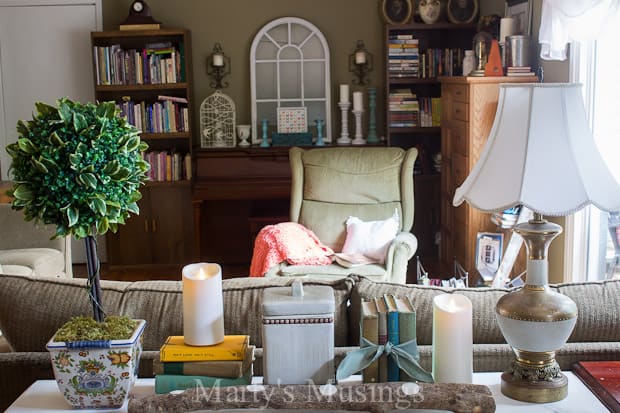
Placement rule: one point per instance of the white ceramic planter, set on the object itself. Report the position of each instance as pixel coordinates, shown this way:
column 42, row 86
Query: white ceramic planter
column 93, row 374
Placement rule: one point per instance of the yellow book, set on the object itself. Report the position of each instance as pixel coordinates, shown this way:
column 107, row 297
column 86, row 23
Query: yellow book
column 232, row 348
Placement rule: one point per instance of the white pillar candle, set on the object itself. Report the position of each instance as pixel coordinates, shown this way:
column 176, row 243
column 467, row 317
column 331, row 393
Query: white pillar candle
column 358, row 102
column 452, row 339
column 506, row 28
column 203, row 306
column 218, row 60
column 344, row 93
column 360, row 58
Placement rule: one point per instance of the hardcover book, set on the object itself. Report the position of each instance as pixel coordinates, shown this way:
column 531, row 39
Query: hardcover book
column 406, row 325
column 217, row 368
column 165, row 383
column 383, row 337
column 370, row 331
column 393, row 372
column 232, row 348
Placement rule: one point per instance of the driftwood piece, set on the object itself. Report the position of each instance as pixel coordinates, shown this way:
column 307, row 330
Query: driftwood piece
column 373, row 398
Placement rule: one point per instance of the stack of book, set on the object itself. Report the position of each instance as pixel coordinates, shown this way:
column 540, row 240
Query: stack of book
column 519, row 71
column 387, row 318
column 404, row 109
column 403, row 56
column 181, row 366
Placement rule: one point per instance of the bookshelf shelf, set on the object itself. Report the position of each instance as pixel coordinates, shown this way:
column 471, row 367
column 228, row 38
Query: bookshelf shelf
column 147, row 73
column 416, row 55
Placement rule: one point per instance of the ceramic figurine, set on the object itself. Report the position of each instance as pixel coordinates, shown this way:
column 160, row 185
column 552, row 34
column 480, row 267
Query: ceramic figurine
column 430, row 11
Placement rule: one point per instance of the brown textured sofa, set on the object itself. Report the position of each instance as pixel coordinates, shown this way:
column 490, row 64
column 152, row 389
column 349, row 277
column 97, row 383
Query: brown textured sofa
column 32, row 308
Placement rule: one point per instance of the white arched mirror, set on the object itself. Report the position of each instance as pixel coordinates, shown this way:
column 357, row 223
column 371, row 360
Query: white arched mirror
column 289, row 68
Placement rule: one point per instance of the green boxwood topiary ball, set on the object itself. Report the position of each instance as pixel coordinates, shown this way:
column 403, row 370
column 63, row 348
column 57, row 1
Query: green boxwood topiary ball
column 78, row 167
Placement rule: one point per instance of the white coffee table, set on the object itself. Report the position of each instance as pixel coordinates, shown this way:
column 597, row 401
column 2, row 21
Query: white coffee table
column 43, row 396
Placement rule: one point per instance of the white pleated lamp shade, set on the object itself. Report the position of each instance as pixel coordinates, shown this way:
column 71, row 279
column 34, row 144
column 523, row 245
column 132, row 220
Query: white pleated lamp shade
column 541, row 154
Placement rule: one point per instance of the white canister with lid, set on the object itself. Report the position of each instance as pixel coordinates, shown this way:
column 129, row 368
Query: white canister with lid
column 298, row 334
column 469, row 62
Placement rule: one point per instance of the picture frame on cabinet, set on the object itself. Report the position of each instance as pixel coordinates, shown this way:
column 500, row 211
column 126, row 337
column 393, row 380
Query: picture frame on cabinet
column 521, row 11
column 462, row 11
column 397, row 11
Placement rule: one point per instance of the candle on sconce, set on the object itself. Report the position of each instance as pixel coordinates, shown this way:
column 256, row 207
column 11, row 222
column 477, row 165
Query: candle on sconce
column 452, row 339
column 358, row 102
column 344, row 93
column 360, row 58
column 218, row 60
column 203, row 307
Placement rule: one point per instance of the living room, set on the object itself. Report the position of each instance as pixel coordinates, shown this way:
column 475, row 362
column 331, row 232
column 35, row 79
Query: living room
column 227, row 224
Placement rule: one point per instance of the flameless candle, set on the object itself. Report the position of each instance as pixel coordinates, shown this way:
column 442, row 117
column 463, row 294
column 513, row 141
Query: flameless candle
column 203, row 307
column 452, row 339
column 218, row 60
column 344, row 93
column 358, row 103
column 360, row 58
column 506, row 28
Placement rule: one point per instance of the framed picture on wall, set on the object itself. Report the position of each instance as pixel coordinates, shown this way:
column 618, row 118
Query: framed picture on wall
column 521, row 11
column 396, row 11
column 462, row 11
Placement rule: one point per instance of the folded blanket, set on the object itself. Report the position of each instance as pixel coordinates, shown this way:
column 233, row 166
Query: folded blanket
column 290, row 242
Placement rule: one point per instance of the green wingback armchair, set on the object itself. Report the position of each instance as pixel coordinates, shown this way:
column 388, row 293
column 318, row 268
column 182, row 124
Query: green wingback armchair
column 331, row 184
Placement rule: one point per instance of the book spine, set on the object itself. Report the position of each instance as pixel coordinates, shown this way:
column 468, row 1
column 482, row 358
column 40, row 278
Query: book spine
column 370, row 331
column 394, row 338
column 406, row 332
column 165, row 383
column 383, row 337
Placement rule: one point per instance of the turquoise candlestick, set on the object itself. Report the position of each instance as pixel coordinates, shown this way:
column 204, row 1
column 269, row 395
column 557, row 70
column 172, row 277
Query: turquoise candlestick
column 319, row 132
column 265, row 141
column 372, row 121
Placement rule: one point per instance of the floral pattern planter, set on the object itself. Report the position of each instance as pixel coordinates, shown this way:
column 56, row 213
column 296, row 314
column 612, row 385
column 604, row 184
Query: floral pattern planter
column 97, row 374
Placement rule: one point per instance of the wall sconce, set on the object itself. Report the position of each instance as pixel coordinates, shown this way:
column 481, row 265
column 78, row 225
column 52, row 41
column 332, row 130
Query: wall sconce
column 360, row 63
column 218, row 66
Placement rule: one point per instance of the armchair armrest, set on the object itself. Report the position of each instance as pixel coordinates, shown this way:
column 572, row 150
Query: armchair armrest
column 402, row 248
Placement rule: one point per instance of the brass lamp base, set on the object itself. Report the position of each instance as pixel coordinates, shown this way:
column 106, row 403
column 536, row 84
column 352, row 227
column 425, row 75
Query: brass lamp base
column 521, row 388
column 476, row 73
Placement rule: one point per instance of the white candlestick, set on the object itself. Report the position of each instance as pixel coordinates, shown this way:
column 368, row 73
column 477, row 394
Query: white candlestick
column 360, row 58
column 452, row 339
column 203, row 307
column 218, row 60
column 506, row 28
column 344, row 93
column 358, row 101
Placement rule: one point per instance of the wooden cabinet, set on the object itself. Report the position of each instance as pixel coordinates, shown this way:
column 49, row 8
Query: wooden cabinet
column 148, row 74
column 468, row 111
column 416, row 54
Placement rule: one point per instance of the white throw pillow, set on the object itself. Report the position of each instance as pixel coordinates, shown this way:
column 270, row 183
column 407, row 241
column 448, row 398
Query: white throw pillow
column 370, row 238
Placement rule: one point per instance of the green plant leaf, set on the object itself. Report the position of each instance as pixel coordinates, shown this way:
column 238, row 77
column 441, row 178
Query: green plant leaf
column 103, row 225
column 121, row 174
column 22, row 128
column 26, row 146
column 133, row 207
column 56, row 140
column 98, row 205
column 112, row 167
column 49, row 164
column 89, row 180
column 133, row 143
column 65, row 113
column 73, row 214
column 75, row 159
column 79, row 122
column 44, row 109
column 39, row 165
column 23, row 192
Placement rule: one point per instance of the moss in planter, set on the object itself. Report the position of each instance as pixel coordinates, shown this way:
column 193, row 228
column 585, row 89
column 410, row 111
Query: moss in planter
column 86, row 328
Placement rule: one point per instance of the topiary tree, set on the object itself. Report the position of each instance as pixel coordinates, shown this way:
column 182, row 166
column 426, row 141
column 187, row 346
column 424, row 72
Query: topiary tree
column 78, row 167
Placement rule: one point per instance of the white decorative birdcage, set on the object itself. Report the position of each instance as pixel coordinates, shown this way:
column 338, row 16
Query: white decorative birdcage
column 217, row 121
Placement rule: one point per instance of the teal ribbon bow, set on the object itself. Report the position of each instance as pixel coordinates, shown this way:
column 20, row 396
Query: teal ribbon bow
column 405, row 355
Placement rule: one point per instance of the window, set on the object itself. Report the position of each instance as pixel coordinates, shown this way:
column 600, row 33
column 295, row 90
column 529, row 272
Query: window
column 592, row 253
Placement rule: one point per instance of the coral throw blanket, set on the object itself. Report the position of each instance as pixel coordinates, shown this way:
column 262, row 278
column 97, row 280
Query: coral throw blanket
column 290, row 242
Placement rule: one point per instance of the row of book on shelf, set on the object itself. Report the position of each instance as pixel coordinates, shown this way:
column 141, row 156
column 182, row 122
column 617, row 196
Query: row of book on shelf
column 181, row 366
column 387, row 318
column 406, row 60
column 155, row 63
column 406, row 110
column 169, row 114
column 168, row 166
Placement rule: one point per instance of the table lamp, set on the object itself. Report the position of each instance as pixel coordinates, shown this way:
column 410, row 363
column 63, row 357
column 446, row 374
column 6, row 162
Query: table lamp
column 541, row 154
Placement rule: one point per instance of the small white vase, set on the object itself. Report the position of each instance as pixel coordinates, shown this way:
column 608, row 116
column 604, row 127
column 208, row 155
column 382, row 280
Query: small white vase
column 430, row 11
column 95, row 375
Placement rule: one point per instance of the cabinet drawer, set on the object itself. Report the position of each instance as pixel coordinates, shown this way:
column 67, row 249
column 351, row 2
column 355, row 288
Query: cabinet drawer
column 460, row 93
column 460, row 137
column 459, row 169
column 460, row 111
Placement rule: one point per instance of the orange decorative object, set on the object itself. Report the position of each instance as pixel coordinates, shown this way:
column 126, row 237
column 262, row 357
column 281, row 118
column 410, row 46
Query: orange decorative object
column 494, row 63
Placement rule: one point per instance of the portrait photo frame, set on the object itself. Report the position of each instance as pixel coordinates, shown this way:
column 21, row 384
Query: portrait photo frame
column 397, row 11
column 521, row 11
column 462, row 11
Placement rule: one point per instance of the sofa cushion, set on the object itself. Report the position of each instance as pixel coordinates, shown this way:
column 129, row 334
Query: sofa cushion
column 597, row 305
column 32, row 308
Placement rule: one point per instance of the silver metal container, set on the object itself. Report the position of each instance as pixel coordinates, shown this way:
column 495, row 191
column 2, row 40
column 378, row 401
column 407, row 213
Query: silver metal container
column 298, row 334
column 517, row 51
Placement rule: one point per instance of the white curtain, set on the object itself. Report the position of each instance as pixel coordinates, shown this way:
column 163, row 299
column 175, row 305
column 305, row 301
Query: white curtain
column 564, row 21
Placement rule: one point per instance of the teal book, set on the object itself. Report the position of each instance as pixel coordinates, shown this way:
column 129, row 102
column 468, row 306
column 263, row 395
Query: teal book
column 393, row 372
column 165, row 383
